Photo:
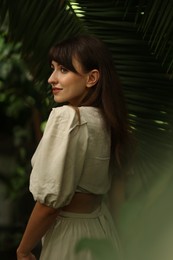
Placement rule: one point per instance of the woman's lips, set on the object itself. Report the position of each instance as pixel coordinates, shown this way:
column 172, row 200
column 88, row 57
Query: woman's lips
column 56, row 90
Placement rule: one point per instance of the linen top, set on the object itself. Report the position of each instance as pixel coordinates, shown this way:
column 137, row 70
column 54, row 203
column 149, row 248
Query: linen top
column 72, row 154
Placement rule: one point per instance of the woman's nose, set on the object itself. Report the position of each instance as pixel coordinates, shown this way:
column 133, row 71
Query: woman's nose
column 52, row 79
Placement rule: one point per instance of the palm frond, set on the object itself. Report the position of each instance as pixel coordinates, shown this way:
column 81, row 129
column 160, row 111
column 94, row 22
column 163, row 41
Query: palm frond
column 156, row 26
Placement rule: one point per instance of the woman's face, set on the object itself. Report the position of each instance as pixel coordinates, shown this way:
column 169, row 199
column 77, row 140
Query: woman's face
column 68, row 86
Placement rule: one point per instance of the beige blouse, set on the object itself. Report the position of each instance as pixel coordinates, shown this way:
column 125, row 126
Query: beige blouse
column 71, row 155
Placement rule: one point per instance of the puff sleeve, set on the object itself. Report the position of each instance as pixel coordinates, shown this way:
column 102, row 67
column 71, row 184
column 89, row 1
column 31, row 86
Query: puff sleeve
column 59, row 159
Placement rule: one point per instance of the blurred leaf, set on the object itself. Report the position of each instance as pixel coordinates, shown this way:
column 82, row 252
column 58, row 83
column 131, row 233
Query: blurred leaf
column 146, row 220
column 101, row 249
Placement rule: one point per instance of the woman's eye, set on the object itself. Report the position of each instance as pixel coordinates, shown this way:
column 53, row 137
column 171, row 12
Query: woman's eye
column 63, row 69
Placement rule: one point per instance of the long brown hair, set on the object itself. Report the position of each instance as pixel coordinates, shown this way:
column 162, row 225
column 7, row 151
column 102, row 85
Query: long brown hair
column 107, row 94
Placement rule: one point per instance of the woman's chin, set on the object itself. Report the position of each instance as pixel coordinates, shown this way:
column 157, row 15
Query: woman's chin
column 58, row 99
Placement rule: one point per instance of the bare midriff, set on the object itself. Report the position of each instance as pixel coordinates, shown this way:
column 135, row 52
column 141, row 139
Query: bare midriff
column 83, row 203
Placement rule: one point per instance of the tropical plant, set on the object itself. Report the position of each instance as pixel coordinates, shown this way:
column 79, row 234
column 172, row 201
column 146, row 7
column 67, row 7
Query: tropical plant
column 139, row 34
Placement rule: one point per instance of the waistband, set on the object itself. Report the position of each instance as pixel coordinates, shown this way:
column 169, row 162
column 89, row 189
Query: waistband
column 95, row 214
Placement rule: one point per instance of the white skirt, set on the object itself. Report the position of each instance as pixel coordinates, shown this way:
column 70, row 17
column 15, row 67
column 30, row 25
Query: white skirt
column 61, row 239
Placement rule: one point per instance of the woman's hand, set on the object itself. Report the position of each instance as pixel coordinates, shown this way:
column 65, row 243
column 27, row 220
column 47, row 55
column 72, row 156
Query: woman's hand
column 22, row 256
column 40, row 221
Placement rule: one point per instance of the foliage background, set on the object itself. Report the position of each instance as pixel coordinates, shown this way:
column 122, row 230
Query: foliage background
column 139, row 34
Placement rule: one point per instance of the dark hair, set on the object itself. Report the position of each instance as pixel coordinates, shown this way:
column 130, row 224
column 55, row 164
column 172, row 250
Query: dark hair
column 107, row 94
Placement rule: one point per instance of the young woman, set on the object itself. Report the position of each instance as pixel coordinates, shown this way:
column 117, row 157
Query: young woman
column 82, row 141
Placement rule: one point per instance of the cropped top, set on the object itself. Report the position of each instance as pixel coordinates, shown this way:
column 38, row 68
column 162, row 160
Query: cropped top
column 72, row 155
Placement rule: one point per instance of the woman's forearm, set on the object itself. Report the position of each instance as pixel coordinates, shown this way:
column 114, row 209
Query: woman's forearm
column 116, row 196
column 41, row 219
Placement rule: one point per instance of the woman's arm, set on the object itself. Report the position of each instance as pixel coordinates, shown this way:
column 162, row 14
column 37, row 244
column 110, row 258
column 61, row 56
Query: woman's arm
column 41, row 219
column 116, row 196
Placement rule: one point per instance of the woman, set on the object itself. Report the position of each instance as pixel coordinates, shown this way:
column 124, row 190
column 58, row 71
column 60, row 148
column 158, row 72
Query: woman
column 82, row 141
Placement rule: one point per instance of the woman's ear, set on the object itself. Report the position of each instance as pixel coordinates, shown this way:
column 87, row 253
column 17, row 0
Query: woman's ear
column 93, row 77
